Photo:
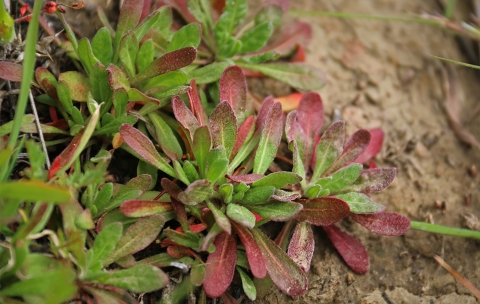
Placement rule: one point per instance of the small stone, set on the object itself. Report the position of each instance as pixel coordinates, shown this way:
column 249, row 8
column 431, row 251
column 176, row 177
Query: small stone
column 350, row 279
column 473, row 171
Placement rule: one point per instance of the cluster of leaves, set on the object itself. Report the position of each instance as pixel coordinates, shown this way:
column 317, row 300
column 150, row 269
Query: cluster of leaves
column 77, row 233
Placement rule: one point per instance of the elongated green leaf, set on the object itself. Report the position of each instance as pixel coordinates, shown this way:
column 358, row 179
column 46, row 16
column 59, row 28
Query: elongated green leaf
column 217, row 169
column 223, row 126
column 299, row 75
column 241, row 215
column 139, row 278
column 258, row 195
column 188, row 35
column 196, row 192
column 256, row 37
column 136, row 237
column 360, row 203
column 278, row 179
column 104, row 244
column 64, row 96
column 372, row 180
column 342, row 178
column 117, row 78
column 114, row 126
column 165, row 137
column 247, row 285
column 144, row 148
column 78, row 83
column 201, row 10
column 129, row 17
column 277, row 211
column 208, row 73
column 232, row 15
column 141, row 208
column 102, row 46
column 329, row 148
column 197, row 274
column 168, row 80
column 282, row 270
column 187, row 239
column 128, row 52
column 270, row 13
column 101, row 90
column 145, row 54
column 269, row 140
column 148, row 23
column 86, row 55
column 220, row 218
column 201, row 146
column 6, row 128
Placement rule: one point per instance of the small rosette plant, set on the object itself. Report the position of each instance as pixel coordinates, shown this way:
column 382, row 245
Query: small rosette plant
column 334, row 186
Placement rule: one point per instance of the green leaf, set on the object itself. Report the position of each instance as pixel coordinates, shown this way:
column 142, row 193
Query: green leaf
column 269, row 13
column 145, row 54
column 297, row 74
column 6, row 127
column 165, row 137
column 200, row 9
column 85, row 53
column 147, row 24
column 104, row 244
column 271, row 55
column 78, row 83
column 37, row 191
column 8, row 26
column 278, row 179
column 201, row 146
column 255, row 38
column 120, row 101
column 360, row 203
column 136, row 237
column 128, row 52
column 247, row 285
column 188, row 35
column 220, row 218
column 196, row 192
column 168, row 80
column 223, row 127
column 229, row 47
column 233, row 13
column 258, row 195
column 197, row 274
column 276, row 211
column 269, row 140
column 101, row 90
column 130, row 14
column 190, row 171
column 114, row 126
column 208, row 73
column 241, row 215
column 164, row 22
column 103, row 196
column 342, row 178
column 329, row 148
column 226, row 190
column 187, row 239
column 102, row 46
column 64, row 96
column 139, row 278
column 217, row 170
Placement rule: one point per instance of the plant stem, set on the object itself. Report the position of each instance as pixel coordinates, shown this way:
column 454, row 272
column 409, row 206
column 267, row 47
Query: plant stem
column 427, row 227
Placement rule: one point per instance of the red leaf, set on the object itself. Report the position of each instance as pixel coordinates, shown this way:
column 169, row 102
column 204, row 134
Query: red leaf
column 140, row 208
column 263, row 112
column 180, row 212
column 233, row 88
column 310, row 115
column 297, row 33
column 302, row 245
column 258, row 267
column 64, row 157
column 374, row 146
column 353, row 148
column 196, row 104
column 300, row 55
column 384, row 223
column 289, row 102
column 171, row 188
column 284, row 272
column 195, row 228
column 23, row 9
column 220, row 266
column 351, row 250
column 245, row 178
column 184, row 116
column 322, row 211
column 10, row 71
column 177, row 252
column 372, row 180
column 242, row 134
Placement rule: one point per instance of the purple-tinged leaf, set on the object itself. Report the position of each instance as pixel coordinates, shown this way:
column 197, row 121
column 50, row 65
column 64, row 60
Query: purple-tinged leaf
column 165, row 137
column 360, row 203
column 181, row 214
column 372, row 180
column 196, row 104
column 322, row 211
column 141, row 208
column 329, row 148
column 384, row 223
column 129, row 17
column 186, row 239
column 220, row 266
column 144, row 148
column 223, row 127
column 353, row 148
column 295, row 132
column 171, row 188
column 201, row 146
column 134, row 95
column 42, row 73
column 184, row 116
column 302, row 245
column 220, row 218
column 284, row 272
column 310, row 115
column 262, row 115
column 374, row 146
column 117, row 78
column 269, row 140
column 66, row 155
column 169, row 62
column 256, row 261
column 244, row 133
column 233, row 89
column 137, row 237
column 278, row 180
column 11, row 71
column 277, row 211
column 297, row 33
column 196, row 192
column 351, row 250
column 284, row 196
column 245, row 178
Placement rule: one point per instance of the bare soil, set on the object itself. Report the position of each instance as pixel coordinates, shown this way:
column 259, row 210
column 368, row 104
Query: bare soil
column 380, row 74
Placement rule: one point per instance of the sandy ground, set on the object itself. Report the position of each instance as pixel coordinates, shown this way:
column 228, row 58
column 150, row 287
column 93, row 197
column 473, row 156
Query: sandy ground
column 381, row 75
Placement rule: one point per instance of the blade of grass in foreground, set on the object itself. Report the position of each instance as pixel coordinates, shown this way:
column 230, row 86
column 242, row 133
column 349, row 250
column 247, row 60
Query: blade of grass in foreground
column 427, row 227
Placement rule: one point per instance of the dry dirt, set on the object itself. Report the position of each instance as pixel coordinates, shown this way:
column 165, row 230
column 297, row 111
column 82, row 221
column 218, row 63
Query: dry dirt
column 380, row 74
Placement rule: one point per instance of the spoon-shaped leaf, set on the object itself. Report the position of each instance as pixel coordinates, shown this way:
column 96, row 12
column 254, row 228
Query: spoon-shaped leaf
column 322, row 211
column 223, row 127
column 269, row 140
column 257, row 263
column 384, row 223
column 233, row 89
column 302, row 245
